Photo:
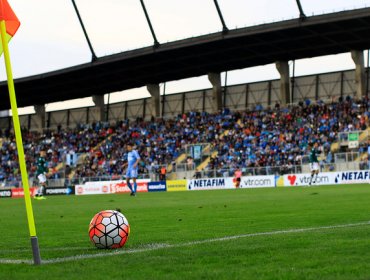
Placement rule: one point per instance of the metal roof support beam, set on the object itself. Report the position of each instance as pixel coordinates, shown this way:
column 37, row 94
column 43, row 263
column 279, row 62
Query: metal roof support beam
column 40, row 117
column 163, row 99
column 302, row 16
column 94, row 57
column 367, row 73
column 224, row 27
column 358, row 59
column 156, row 43
column 215, row 79
column 292, row 82
column 283, row 68
column 99, row 104
column 155, row 99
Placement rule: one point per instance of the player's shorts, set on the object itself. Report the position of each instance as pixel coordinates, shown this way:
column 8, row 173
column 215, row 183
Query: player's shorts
column 41, row 178
column 238, row 179
column 131, row 173
column 314, row 166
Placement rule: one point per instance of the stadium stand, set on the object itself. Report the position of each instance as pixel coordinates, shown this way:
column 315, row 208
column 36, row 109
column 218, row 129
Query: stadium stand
column 259, row 139
column 265, row 140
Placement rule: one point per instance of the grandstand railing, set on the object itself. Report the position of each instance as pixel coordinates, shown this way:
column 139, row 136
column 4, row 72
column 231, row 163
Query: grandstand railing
column 229, row 172
column 339, row 162
column 82, row 180
column 276, row 170
column 340, row 158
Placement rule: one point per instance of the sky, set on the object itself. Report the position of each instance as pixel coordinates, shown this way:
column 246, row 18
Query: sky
column 51, row 38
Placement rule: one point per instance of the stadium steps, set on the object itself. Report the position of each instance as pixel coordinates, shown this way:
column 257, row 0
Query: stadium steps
column 81, row 158
column 362, row 157
column 334, row 147
column 205, row 162
column 80, row 161
column 172, row 175
column 57, row 168
column 201, row 166
column 364, row 135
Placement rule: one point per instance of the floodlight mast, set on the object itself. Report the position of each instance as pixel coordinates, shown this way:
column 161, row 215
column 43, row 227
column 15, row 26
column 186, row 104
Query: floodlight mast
column 302, row 15
column 94, row 57
column 156, row 43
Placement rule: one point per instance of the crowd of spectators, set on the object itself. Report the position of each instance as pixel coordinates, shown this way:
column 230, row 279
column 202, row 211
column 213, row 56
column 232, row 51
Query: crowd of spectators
column 277, row 136
column 57, row 144
column 263, row 137
column 159, row 142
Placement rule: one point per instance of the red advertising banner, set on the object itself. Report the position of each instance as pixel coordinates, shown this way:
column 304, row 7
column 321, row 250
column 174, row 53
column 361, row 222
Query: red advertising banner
column 107, row 187
column 18, row 192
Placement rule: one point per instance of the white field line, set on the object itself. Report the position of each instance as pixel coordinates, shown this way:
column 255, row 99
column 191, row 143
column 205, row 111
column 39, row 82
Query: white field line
column 48, row 249
column 153, row 247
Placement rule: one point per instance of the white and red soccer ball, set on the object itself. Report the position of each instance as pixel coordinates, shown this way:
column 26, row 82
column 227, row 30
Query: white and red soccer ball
column 109, row 229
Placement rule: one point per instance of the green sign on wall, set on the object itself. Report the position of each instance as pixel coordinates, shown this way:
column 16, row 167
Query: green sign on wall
column 353, row 139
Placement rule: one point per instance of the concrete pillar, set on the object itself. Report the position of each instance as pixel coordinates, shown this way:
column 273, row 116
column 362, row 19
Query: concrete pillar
column 360, row 77
column 283, row 68
column 155, row 100
column 40, row 117
column 99, row 104
column 215, row 79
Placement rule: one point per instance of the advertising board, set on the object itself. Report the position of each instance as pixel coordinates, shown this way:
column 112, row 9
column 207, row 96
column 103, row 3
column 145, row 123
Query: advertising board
column 157, row 186
column 211, row 183
column 257, row 181
column 176, row 185
column 109, row 187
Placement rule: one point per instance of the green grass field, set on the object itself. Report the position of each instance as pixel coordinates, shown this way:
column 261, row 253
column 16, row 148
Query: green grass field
column 280, row 233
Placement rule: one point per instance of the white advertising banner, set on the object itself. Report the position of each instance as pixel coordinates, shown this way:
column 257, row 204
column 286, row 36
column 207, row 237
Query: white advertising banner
column 257, row 181
column 324, row 178
column 327, row 178
column 353, row 177
column 211, row 184
column 107, row 187
column 229, row 183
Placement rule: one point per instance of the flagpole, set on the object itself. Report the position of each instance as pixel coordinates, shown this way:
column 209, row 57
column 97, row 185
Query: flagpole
column 18, row 138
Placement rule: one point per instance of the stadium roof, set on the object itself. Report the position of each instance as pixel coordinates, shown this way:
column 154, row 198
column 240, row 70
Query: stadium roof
column 237, row 49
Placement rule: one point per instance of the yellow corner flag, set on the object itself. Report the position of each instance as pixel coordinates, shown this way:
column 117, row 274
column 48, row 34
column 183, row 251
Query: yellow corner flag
column 9, row 25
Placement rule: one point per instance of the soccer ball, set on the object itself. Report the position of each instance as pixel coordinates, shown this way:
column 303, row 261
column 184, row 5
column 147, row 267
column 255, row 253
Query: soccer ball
column 109, row 229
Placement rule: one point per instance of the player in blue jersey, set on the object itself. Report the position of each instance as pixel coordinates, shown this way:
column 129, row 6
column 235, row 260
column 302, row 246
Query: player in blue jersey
column 132, row 163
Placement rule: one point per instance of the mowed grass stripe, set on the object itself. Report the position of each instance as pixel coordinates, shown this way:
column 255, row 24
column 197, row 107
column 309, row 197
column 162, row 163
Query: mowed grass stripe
column 152, row 247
